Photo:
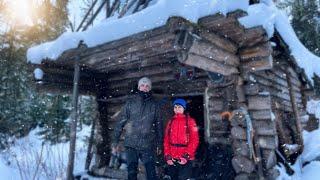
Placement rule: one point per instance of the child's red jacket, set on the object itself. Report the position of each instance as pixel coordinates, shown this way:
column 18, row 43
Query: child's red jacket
column 181, row 140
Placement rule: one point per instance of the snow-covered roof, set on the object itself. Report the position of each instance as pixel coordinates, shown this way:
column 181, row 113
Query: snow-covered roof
column 264, row 13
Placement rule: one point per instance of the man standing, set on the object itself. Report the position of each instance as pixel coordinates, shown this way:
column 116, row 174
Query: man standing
column 143, row 130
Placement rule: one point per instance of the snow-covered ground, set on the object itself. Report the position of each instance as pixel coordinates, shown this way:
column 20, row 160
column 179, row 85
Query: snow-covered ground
column 311, row 151
column 30, row 158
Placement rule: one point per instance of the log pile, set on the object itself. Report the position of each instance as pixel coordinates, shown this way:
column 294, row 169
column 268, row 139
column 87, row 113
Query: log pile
column 242, row 161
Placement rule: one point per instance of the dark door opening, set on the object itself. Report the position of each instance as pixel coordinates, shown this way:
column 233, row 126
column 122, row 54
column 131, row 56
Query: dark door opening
column 212, row 161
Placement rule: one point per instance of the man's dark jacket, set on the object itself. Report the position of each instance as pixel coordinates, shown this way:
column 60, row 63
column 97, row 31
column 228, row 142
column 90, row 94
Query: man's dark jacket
column 144, row 129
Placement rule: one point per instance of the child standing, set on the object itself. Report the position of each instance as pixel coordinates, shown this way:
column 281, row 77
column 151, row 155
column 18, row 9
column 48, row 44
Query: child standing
column 180, row 142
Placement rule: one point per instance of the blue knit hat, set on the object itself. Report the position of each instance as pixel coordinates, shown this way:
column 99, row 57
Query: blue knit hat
column 180, row 102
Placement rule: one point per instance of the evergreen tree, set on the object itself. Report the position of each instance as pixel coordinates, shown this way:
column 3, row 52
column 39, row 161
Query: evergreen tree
column 21, row 108
column 305, row 22
column 54, row 126
column 87, row 110
column 14, row 90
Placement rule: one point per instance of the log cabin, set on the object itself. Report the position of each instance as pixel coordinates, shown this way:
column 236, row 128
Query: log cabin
column 219, row 66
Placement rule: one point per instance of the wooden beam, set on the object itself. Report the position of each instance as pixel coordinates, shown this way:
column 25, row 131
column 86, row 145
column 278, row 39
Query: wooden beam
column 73, row 122
column 209, row 65
column 137, row 50
column 253, row 36
column 257, row 64
column 218, row 41
column 298, row 134
column 259, row 102
column 213, row 52
column 261, row 50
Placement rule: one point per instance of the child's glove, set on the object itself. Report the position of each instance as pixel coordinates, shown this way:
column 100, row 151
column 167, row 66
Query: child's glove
column 182, row 161
column 170, row 162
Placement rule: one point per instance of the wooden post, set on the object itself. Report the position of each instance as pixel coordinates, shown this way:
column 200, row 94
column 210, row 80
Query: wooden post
column 295, row 111
column 89, row 152
column 73, row 120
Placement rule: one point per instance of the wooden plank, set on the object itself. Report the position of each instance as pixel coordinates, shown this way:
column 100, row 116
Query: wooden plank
column 128, row 54
column 253, row 36
column 284, row 104
column 275, row 92
column 162, row 84
column 257, row 64
column 176, row 23
column 70, row 54
column 242, row 164
column 219, row 140
column 58, row 88
column 280, row 71
column 298, row 135
column 269, row 158
column 252, row 89
column 271, row 80
column 283, row 137
column 209, row 65
column 265, row 127
column 234, row 32
column 237, row 14
column 152, row 70
column 261, row 50
column 140, row 63
column 260, row 114
column 218, row 41
column 213, row 52
column 268, row 142
column 260, row 102
column 240, row 147
column 216, row 105
column 238, row 133
column 215, row 20
column 158, row 78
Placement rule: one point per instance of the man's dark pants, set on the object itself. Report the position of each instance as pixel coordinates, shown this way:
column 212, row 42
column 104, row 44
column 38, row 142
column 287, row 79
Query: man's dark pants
column 147, row 158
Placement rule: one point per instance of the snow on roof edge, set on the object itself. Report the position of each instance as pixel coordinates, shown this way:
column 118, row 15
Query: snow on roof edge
column 114, row 28
column 264, row 13
column 270, row 17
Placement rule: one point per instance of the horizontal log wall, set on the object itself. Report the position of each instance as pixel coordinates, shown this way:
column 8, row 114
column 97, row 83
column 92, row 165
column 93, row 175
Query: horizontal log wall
column 275, row 83
column 265, row 133
column 59, row 79
column 218, row 100
column 163, row 76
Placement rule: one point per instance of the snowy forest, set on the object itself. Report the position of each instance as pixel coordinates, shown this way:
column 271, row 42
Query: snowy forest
column 42, row 117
